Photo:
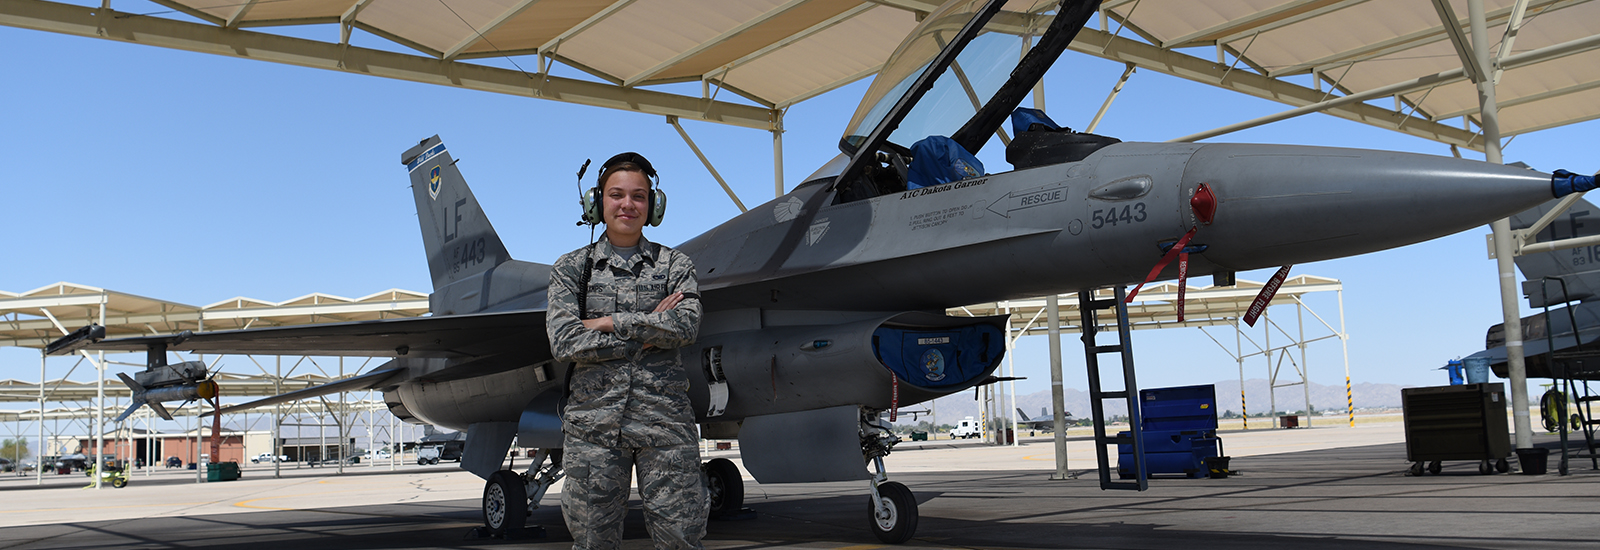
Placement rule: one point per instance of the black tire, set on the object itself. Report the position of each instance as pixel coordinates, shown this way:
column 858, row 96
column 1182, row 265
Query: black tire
column 901, row 521
column 1434, row 467
column 505, row 502
column 119, row 482
column 724, row 487
column 1416, row 469
column 1484, row 468
column 1502, row 466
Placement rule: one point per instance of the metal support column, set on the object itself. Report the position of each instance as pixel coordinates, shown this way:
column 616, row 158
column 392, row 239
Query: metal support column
column 1238, row 354
column 1344, row 344
column 38, row 472
column 1058, row 400
column 1489, row 118
column 777, row 157
column 1305, row 368
column 277, row 422
column 99, row 407
column 1272, row 373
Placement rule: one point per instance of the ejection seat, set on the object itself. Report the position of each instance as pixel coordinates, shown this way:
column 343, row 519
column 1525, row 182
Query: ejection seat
column 1039, row 141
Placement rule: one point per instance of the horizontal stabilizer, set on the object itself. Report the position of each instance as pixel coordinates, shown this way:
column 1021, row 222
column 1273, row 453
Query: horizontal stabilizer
column 376, row 379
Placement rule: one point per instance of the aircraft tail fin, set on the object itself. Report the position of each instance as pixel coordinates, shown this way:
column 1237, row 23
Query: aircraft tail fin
column 459, row 239
column 1023, row 415
column 1578, row 268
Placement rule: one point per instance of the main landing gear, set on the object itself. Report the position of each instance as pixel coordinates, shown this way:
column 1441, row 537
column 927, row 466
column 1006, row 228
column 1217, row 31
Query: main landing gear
column 724, row 488
column 892, row 510
column 508, row 496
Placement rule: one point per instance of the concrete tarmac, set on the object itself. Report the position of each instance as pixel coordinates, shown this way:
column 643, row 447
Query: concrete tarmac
column 1321, row 487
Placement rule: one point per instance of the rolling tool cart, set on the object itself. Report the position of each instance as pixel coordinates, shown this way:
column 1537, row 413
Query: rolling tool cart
column 1464, row 422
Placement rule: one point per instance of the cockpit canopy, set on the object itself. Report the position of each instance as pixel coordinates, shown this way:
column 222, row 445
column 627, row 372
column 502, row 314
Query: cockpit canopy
column 909, row 132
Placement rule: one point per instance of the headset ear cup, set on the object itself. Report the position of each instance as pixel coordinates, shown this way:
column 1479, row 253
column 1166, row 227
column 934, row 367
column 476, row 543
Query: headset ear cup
column 591, row 206
column 658, row 207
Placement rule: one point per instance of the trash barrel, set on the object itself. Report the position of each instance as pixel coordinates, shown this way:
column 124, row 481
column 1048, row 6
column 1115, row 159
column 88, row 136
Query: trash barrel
column 222, row 471
column 1533, row 461
column 1477, row 369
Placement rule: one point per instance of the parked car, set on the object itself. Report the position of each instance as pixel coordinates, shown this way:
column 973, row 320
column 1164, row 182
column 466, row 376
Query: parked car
column 174, row 462
column 268, row 457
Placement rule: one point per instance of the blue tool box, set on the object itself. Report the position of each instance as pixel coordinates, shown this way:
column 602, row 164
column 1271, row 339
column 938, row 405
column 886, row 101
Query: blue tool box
column 1179, row 431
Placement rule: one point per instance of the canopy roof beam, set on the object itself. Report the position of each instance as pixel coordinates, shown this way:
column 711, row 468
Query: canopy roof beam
column 238, row 15
column 1447, row 77
column 719, row 39
column 586, row 24
column 478, row 34
column 1250, row 24
column 1409, row 41
column 1101, row 44
column 1452, row 29
column 181, row 35
column 1287, row 19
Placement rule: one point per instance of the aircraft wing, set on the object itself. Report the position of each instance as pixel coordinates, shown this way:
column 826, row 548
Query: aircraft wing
column 466, row 335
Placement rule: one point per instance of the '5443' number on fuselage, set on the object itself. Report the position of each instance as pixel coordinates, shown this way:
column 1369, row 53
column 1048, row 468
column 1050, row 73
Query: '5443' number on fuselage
column 1133, row 213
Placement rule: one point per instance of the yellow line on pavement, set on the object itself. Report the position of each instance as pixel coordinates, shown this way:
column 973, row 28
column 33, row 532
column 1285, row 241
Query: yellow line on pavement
column 246, row 503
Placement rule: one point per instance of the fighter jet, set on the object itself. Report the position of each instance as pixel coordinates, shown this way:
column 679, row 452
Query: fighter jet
column 1565, row 286
column 824, row 307
column 1044, row 421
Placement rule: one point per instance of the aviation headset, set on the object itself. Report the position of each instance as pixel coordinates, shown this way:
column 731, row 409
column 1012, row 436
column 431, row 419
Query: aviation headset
column 656, row 203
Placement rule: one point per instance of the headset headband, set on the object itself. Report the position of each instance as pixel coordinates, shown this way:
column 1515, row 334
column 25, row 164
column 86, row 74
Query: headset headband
column 629, row 157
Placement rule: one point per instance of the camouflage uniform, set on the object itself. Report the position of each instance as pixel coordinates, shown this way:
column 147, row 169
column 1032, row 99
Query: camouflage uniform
column 629, row 407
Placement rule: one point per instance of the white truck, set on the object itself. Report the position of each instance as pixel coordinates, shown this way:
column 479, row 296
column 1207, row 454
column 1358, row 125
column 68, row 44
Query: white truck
column 967, row 428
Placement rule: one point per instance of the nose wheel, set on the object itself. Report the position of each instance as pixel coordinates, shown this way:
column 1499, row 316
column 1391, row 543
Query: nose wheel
column 893, row 511
column 891, row 508
column 508, row 495
column 505, row 503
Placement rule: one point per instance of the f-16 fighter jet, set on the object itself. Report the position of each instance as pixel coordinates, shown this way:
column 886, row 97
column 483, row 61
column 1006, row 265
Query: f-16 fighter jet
column 823, row 308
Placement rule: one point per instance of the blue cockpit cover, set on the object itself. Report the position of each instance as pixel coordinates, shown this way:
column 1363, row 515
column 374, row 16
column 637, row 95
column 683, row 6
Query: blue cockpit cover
column 1023, row 119
column 937, row 159
column 935, row 358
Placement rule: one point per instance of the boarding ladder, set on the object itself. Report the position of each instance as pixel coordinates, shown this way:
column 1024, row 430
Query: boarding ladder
column 1567, row 370
column 1088, row 307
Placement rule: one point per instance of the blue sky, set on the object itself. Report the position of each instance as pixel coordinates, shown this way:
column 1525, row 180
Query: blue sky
column 196, row 178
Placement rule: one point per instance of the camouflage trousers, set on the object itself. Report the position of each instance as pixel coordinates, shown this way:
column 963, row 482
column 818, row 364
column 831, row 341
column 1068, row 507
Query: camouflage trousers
column 595, row 496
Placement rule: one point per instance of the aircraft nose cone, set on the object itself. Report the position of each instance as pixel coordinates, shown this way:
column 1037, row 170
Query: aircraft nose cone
column 1279, row 205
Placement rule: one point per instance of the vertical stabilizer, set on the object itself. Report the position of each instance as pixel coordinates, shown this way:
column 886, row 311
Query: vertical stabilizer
column 459, row 240
column 1578, row 267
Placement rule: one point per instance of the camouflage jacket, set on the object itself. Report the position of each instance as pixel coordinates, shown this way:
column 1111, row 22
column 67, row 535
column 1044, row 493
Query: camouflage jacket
column 623, row 394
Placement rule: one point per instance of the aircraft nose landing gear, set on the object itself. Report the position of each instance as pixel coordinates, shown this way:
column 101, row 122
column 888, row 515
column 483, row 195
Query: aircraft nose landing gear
column 892, row 510
column 508, row 495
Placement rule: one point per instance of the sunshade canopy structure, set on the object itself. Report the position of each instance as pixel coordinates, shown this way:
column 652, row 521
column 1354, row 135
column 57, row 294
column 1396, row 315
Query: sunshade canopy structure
column 1401, row 59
